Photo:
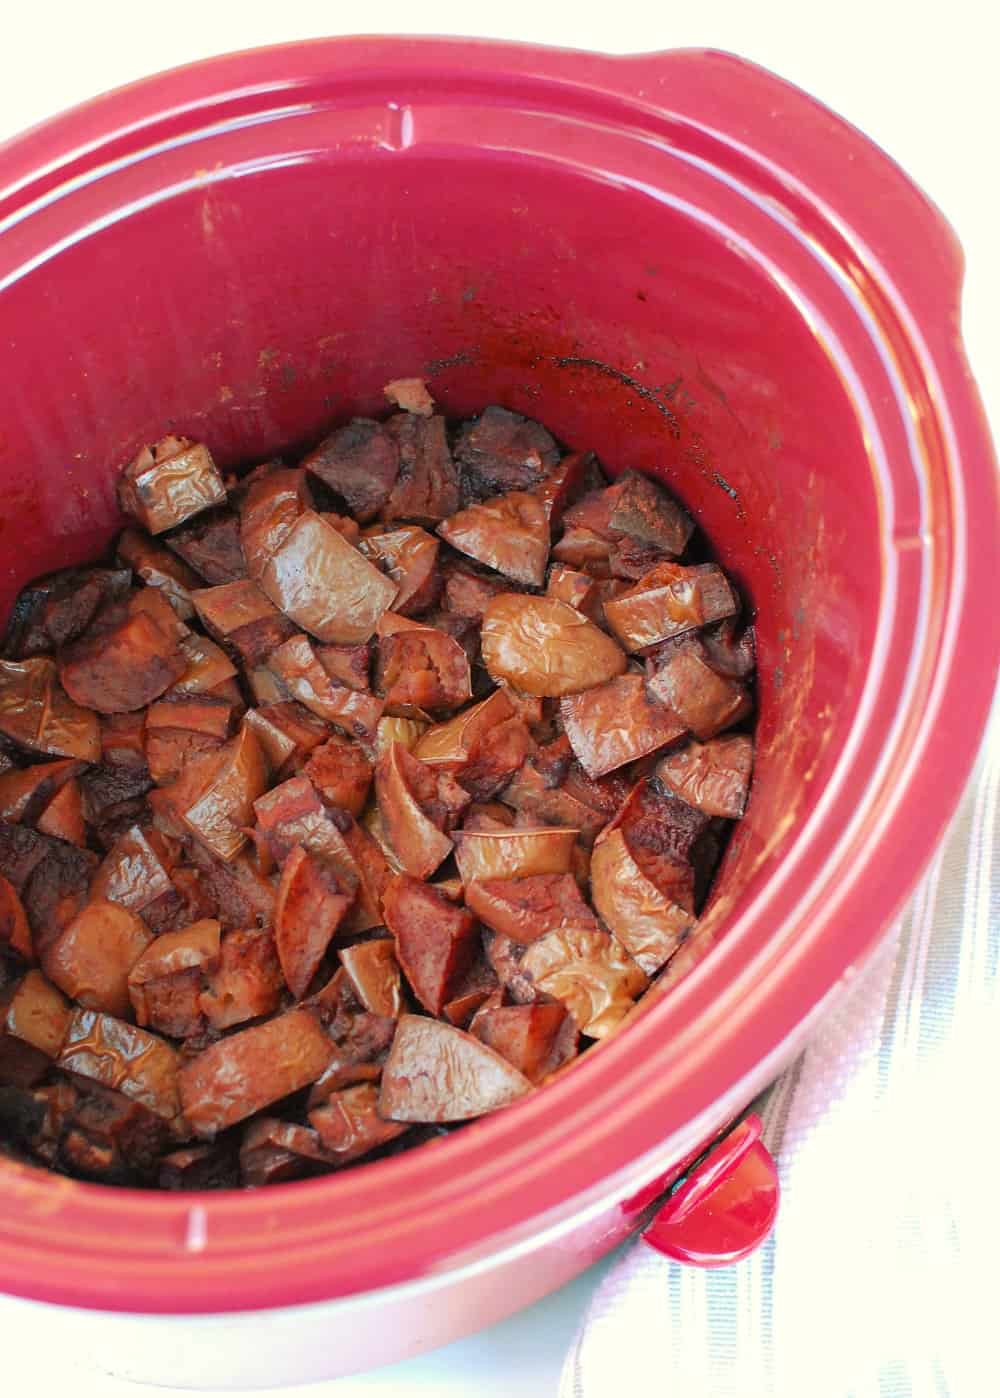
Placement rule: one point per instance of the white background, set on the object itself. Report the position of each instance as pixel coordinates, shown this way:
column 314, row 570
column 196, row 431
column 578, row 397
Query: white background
column 921, row 79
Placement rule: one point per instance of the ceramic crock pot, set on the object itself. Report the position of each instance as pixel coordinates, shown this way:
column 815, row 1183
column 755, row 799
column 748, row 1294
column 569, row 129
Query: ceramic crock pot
column 675, row 259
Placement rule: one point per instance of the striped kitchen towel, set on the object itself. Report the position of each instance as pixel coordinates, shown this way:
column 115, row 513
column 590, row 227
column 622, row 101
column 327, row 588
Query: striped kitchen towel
column 880, row 1278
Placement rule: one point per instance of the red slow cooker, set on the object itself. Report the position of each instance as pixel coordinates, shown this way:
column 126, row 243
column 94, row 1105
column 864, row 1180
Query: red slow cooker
column 675, row 259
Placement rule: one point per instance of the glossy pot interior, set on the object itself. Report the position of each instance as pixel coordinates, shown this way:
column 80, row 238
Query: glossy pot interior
column 675, row 260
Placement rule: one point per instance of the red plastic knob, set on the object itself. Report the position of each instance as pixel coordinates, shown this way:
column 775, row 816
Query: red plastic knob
column 725, row 1208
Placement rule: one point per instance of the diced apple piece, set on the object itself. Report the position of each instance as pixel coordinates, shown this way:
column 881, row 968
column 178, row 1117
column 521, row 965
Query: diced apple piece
column 509, row 533
column 410, row 556
column 34, row 1011
column 311, row 906
column 411, row 395
column 37, row 713
column 63, row 817
column 526, row 909
column 471, row 992
column 241, row 618
column 544, row 647
column 704, row 701
column 206, row 666
column 298, row 666
column 578, row 590
column 360, row 462
column 467, row 593
column 91, row 958
column 513, row 854
column 293, row 814
column 349, row 1124
column 589, row 972
column 536, row 1039
column 667, row 601
column 436, row 939
column 179, row 731
column 158, row 567
column 426, row 487
column 166, row 983
column 649, row 925
column 451, row 744
column 325, row 584
column 129, row 1060
column 215, row 797
column 123, row 668
column 374, row 974
column 644, row 510
column 584, row 550
column 341, row 771
column 134, row 872
column 15, row 933
column 395, row 729
column 26, row 791
column 169, row 482
column 210, row 545
column 616, row 723
column 247, row 982
column 714, row 777
column 422, row 668
column 249, row 1070
column 502, row 451
column 406, row 790
column 436, row 1072
column 52, row 611
column 275, row 498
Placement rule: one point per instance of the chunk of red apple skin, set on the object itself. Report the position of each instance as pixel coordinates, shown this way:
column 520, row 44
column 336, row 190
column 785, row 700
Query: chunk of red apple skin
column 374, row 974
column 616, row 723
column 544, row 647
column 310, row 907
column 526, row 909
column 714, row 776
column 537, row 1039
column 168, row 482
column 419, row 844
column 91, row 958
column 509, row 533
column 514, row 854
column 668, row 601
column 324, row 584
column 436, row 939
column 438, row 1073
column 247, row 1071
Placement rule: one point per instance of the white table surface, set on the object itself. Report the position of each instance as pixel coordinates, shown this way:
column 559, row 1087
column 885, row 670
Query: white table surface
column 920, row 79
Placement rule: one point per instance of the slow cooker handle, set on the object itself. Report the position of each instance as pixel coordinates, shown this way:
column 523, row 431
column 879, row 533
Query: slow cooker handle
column 892, row 235
column 725, row 1207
